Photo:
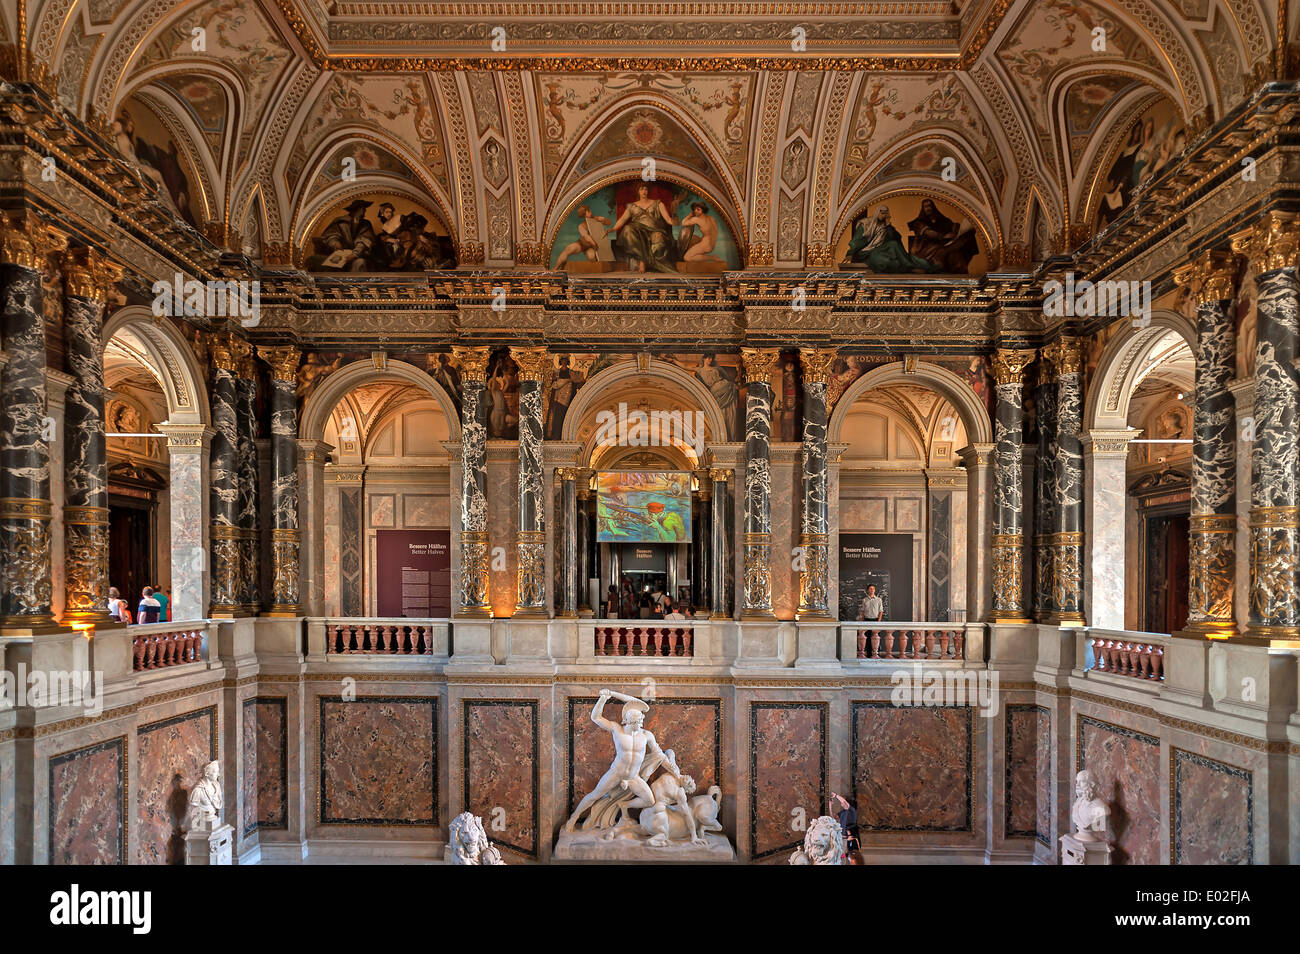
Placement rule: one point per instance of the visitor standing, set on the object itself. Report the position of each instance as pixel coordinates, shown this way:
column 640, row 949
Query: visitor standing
column 149, row 608
column 165, row 604
column 848, row 819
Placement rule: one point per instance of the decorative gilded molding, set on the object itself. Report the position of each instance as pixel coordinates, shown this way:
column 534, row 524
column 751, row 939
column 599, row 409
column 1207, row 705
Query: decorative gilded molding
column 26, row 241
column 1064, row 356
column 816, row 364
column 88, row 274
column 472, row 362
column 534, row 363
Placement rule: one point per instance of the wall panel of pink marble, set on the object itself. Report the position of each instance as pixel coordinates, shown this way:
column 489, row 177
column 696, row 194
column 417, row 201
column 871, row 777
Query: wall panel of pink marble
column 266, row 764
column 171, row 755
column 1029, row 773
column 912, row 766
column 501, row 770
column 787, row 771
column 1212, row 813
column 692, row 728
column 379, row 760
column 1125, row 764
column 87, row 810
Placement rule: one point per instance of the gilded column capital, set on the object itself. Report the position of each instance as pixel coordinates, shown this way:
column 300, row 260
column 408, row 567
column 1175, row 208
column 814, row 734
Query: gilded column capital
column 1271, row 243
column 25, row 240
column 534, row 363
column 88, row 274
column 719, row 474
column 759, row 364
column 472, row 362
column 1064, row 356
column 227, row 352
column 247, row 364
column 567, row 473
column 1209, row 277
column 817, row 364
column 282, row 361
column 1009, row 365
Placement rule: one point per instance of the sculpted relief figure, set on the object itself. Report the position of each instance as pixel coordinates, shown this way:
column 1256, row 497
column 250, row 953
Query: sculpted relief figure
column 1091, row 816
column 204, row 810
column 468, row 842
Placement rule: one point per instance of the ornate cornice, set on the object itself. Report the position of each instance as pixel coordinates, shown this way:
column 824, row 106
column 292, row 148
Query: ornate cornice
column 1009, row 365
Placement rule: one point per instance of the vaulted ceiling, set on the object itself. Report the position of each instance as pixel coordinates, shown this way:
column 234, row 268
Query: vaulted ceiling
column 793, row 116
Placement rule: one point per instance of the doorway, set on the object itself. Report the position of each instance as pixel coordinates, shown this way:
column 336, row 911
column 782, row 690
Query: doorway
column 130, row 549
column 1165, row 571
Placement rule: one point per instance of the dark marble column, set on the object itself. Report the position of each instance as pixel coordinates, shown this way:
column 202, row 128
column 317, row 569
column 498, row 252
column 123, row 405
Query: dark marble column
column 1213, row 538
column 702, row 547
column 1067, row 486
column 1008, row 540
column 814, row 582
column 25, row 510
column 568, row 477
column 718, row 477
column 473, row 483
column 250, row 596
column 225, row 351
column 1274, row 531
column 530, row 544
column 1044, row 489
column 758, row 483
column 583, row 495
column 87, row 278
column 286, row 537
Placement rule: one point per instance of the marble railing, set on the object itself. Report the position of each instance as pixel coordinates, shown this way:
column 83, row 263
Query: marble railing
column 890, row 640
column 666, row 639
column 1123, row 653
column 163, row 645
column 379, row 637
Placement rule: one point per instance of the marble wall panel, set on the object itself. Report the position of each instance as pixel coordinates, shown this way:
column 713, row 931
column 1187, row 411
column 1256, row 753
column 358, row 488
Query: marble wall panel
column 266, row 764
column 907, row 514
column 1125, row 764
column 350, row 576
column 1212, row 812
column 501, row 770
column 170, row 755
column 787, row 771
column 382, row 511
column 8, row 786
column 692, row 728
column 87, row 805
column 912, row 766
column 422, row 510
column 1028, row 755
column 378, row 760
column 864, row 514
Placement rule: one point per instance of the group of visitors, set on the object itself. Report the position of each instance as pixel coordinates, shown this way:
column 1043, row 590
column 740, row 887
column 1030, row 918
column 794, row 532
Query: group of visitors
column 623, row 602
column 154, row 606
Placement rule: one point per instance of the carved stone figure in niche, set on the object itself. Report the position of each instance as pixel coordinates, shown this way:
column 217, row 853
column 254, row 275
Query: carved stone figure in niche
column 1171, row 424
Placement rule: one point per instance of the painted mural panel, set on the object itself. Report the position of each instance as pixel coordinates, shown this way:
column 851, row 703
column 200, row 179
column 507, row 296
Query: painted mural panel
column 145, row 142
column 381, row 232
column 940, row 239
column 1153, row 140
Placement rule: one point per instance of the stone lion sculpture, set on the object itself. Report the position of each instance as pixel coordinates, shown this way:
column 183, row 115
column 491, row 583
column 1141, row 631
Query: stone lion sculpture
column 469, row 843
column 823, row 844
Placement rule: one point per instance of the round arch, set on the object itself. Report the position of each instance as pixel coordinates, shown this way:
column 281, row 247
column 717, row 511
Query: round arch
column 322, row 401
column 979, row 430
column 183, row 381
column 1121, row 362
column 598, row 388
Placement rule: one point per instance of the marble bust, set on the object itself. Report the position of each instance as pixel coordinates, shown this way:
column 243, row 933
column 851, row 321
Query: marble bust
column 468, row 842
column 1090, row 815
column 822, row 845
column 204, row 810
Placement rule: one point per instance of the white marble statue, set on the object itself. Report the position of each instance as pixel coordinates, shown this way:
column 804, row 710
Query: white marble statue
column 631, row 800
column 1091, row 816
column 823, row 844
column 204, row 810
column 469, row 842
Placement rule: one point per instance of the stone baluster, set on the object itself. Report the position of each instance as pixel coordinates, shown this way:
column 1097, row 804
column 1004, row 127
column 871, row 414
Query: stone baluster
column 758, row 483
column 88, row 276
column 1008, row 541
column 473, row 483
column 530, row 543
column 286, row 538
column 814, row 581
column 1066, row 605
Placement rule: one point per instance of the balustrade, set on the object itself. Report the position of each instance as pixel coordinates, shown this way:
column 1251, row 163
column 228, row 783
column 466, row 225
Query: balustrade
column 662, row 641
column 160, row 648
column 1137, row 655
column 375, row 637
column 915, row 641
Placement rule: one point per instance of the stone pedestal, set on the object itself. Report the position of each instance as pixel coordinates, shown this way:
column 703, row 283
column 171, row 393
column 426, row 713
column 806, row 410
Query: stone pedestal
column 1076, row 852
column 210, row 847
column 592, row 846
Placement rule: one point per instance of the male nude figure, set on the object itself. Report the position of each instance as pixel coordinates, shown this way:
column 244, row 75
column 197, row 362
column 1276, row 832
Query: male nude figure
column 631, row 743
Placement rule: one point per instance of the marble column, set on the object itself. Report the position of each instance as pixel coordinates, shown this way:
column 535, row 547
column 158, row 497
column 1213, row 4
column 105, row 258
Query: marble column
column 583, row 495
column 1105, row 459
column 25, row 430
column 250, row 596
column 703, row 545
column 1008, row 541
column 758, row 483
column 312, row 456
column 286, row 537
column 188, row 450
column 568, row 477
column 473, row 483
column 530, row 544
column 1067, row 525
column 718, row 477
column 1044, row 488
column 978, row 461
column 225, row 352
column 1213, row 544
column 1275, row 454
column 814, row 581
column 88, row 276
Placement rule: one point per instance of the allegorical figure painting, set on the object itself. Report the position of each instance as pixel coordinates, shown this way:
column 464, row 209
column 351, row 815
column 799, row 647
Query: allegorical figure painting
column 1154, row 139
column 940, row 240
column 384, row 233
column 645, row 228
column 144, row 142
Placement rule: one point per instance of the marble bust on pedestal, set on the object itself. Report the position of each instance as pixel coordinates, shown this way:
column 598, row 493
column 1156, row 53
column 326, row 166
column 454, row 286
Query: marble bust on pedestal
column 1089, row 843
column 205, row 802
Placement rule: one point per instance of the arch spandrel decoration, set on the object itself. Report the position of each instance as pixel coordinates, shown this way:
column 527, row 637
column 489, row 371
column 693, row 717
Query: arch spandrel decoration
column 1117, row 371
